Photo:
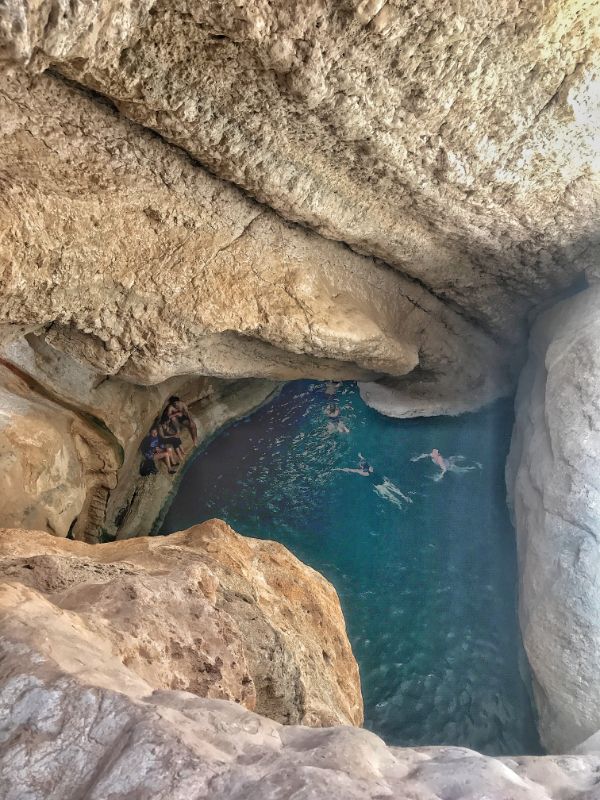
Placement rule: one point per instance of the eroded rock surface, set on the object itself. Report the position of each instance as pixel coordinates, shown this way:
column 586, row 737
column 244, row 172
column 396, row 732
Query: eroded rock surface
column 53, row 462
column 77, row 721
column 205, row 610
column 554, row 487
column 70, row 440
column 147, row 267
column 455, row 141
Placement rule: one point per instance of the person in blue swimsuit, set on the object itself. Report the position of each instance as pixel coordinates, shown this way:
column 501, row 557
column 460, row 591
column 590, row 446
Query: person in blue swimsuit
column 155, row 448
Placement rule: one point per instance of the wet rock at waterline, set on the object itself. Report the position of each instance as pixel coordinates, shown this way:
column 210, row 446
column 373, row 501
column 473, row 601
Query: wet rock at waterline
column 70, row 438
column 554, row 486
column 206, row 611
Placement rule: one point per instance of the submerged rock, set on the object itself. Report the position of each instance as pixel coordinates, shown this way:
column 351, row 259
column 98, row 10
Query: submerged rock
column 554, row 487
column 205, row 610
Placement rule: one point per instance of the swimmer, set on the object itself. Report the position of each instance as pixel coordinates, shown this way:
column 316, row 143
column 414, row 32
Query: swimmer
column 439, row 460
column 390, row 492
column 450, row 464
column 333, row 411
column 337, row 427
column 364, row 468
column 382, row 485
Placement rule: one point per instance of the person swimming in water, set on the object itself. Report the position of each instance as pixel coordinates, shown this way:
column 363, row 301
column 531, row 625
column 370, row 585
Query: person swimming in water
column 450, row 464
column 437, row 458
column 332, row 411
column 364, row 468
column 337, row 427
column 381, row 485
column 332, row 387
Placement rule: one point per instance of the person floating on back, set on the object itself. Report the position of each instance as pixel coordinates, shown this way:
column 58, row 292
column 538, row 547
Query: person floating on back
column 451, row 464
column 437, row 458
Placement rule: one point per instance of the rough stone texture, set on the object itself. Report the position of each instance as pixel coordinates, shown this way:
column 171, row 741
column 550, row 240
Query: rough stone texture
column 77, row 722
column 52, row 461
column 70, row 440
column 204, row 610
column 554, row 486
column 457, row 142
column 146, row 267
column 136, row 505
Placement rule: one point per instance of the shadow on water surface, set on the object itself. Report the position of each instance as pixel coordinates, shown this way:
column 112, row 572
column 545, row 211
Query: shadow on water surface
column 425, row 568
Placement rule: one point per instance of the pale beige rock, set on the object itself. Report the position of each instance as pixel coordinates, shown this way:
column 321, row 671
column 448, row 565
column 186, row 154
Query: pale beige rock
column 205, row 610
column 52, row 461
column 553, row 483
column 147, row 267
column 77, row 722
column 70, row 446
column 456, row 141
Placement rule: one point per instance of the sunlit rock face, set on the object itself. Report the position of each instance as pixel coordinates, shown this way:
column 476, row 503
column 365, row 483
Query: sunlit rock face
column 555, row 490
column 124, row 254
column 206, row 611
column 86, row 714
column 454, row 143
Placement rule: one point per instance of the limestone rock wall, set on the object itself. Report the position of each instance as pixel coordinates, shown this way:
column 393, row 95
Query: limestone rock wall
column 70, row 440
column 554, row 487
column 91, row 707
column 120, row 251
column 455, row 141
column 205, row 610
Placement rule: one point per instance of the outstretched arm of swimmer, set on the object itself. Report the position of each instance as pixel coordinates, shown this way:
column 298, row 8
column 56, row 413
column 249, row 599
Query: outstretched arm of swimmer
column 348, row 469
column 419, row 458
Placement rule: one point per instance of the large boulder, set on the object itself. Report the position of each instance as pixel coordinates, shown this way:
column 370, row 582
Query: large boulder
column 205, row 610
column 554, row 487
column 78, row 719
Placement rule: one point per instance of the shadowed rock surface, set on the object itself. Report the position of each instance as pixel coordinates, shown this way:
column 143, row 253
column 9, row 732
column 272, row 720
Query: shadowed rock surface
column 555, row 491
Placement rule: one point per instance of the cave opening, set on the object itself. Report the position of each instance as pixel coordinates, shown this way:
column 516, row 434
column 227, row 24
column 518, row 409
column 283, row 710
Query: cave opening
column 422, row 556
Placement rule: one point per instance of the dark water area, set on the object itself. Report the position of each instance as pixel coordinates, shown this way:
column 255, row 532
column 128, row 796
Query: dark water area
column 424, row 563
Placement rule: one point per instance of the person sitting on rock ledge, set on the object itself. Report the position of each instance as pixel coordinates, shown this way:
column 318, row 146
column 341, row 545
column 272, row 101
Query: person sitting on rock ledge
column 174, row 442
column 175, row 416
column 154, row 448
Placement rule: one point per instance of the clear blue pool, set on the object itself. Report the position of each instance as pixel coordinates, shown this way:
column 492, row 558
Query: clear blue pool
column 425, row 567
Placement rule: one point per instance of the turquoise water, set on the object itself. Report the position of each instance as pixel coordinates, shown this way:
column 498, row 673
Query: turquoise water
column 425, row 567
